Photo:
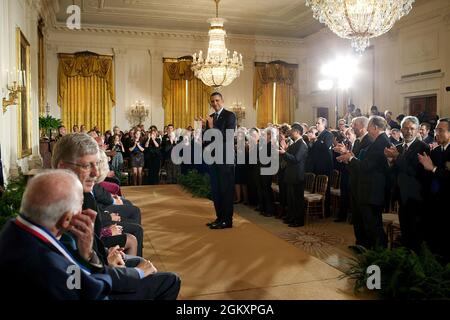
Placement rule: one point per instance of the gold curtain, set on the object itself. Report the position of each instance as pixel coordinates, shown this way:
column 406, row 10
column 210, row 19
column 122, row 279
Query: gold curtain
column 86, row 89
column 286, row 94
column 264, row 111
column 184, row 96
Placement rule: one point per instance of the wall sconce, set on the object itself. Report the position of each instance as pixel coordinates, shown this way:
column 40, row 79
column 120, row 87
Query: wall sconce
column 239, row 111
column 138, row 113
column 13, row 89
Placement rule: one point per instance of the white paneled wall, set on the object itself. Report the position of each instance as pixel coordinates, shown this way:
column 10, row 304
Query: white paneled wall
column 13, row 14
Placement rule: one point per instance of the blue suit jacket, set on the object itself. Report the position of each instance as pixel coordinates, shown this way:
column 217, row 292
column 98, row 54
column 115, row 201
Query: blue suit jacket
column 31, row 269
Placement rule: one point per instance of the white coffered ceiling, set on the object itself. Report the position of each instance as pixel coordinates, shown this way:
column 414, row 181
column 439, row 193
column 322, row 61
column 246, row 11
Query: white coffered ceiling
column 267, row 18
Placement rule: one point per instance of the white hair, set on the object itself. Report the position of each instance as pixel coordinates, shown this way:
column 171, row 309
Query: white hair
column 51, row 194
column 412, row 119
column 103, row 167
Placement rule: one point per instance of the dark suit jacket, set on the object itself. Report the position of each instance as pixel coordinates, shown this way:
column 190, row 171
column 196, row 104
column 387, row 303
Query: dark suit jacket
column 321, row 153
column 295, row 157
column 124, row 280
column 442, row 174
column 32, row 269
column 358, row 146
column 104, row 199
column 428, row 140
column 372, row 173
column 412, row 180
column 226, row 121
column 395, row 142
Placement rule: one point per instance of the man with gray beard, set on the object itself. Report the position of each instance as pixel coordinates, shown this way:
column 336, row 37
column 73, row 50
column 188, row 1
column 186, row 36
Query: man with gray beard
column 411, row 183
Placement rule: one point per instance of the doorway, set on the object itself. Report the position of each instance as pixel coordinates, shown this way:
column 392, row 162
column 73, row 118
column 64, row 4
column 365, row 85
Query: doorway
column 424, row 107
column 322, row 112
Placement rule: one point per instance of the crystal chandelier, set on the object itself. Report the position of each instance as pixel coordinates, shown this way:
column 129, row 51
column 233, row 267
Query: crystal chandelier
column 219, row 68
column 359, row 20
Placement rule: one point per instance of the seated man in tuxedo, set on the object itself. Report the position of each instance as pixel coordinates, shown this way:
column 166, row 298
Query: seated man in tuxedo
column 411, row 183
column 34, row 264
column 439, row 166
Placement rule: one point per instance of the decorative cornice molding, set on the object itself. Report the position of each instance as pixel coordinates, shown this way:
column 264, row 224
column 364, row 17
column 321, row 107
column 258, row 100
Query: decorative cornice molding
column 119, row 51
column 169, row 34
column 421, row 77
column 446, row 19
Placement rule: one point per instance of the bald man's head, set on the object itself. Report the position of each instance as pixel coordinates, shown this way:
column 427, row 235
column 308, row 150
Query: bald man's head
column 50, row 195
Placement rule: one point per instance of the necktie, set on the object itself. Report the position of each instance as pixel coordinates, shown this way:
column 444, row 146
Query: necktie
column 356, row 147
column 405, row 148
column 215, row 116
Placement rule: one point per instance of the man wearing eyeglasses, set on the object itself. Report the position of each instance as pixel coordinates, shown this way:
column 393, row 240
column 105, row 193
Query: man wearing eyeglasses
column 80, row 153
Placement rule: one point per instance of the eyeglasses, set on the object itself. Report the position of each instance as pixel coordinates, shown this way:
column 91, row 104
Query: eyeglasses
column 85, row 167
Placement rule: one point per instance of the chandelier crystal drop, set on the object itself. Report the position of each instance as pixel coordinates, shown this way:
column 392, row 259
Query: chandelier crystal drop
column 219, row 68
column 359, row 20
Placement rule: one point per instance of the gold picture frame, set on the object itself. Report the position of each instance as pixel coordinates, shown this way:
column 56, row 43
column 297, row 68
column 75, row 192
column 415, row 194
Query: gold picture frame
column 24, row 99
column 41, row 68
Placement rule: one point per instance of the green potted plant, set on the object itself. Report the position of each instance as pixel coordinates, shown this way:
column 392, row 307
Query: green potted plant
column 46, row 124
column 404, row 274
column 11, row 199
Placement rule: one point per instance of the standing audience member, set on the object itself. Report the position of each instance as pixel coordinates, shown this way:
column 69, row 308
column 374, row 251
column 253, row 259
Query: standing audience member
column 411, row 183
column 372, row 173
column 439, row 166
column 137, row 158
column 322, row 157
column 294, row 176
column 425, row 133
column 391, row 123
column 117, row 160
column 395, row 138
column 153, row 156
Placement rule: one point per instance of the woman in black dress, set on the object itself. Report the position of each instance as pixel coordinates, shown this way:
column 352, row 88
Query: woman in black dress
column 137, row 158
column 153, row 156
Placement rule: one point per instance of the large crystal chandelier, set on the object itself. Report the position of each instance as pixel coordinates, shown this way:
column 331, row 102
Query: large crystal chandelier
column 219, row 68
column 359, row 20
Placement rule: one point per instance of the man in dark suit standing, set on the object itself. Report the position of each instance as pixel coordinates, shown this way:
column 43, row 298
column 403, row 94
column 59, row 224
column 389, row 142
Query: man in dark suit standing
column 322, row 157
column 372, row 171
column 439, row 166
column 294, row 175
column 424, row 130
column 411, row 183
column 222, row 174
column 362, row 142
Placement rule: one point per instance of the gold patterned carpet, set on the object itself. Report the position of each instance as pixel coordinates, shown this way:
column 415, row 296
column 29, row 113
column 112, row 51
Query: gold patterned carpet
column 245, row 262
column 322, row 238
